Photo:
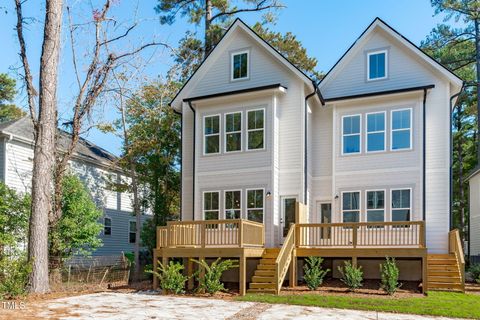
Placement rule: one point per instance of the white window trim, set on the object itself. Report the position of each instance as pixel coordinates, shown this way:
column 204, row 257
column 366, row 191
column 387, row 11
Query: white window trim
column 359, row 205
column 130, row 231
column 384, row 203
column 368, row 64
column 232, row 55
column 212, row 134
column 246, row 203
column 352, row 134
column 252, row 130
column 394, row 130
column 225, row 204
column 107, row 217
column 225, row 132
column 203, row 203
column 410, row 204
column 384, row 131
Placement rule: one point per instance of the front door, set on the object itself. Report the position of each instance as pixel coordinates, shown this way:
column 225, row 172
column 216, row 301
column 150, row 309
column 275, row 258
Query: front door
column 324, row 210
column 288, row 215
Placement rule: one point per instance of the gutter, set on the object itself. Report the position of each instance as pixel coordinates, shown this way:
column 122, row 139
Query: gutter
column 424, row 160
column 181, row 160
column 194, row 154
column 305, row 164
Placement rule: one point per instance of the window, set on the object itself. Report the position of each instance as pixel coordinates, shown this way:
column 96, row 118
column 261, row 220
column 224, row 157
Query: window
column 376, row 206
column 351, row 134
column 401, row 137
column 351, row 206
column 211, row 206
column 255, row 205
column 233, row 132
column 211, row 131
column 377, row 65
column 233, row 204
column 401, row 205
column 132, row 232
column 240, row 65
column 256, row 132
column 376, row 132
column 107, row 226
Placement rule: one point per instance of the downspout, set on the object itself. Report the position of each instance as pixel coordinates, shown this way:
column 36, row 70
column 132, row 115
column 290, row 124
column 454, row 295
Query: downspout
column 194, row 153
column 181, row 161
column 305, row 164
column 424, row 164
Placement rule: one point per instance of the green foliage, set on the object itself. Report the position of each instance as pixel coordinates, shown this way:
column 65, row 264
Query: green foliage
column 14, row 214
column 389, row 273
column 211, row 281
column 148, row 235
column 7, row 94
column 352, row 276
column 14, row 272
column 314, row 272
column 475, row 272
column 171, row 277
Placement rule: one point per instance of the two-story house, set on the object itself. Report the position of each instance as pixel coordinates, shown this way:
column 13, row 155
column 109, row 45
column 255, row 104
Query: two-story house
column 340, row 168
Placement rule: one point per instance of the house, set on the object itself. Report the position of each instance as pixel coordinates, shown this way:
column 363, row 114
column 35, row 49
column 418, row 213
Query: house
column 474, row 215
column 96, row 168
column 276, row 167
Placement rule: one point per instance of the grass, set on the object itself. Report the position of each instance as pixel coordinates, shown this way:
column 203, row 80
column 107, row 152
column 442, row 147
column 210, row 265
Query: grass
column 446, row 304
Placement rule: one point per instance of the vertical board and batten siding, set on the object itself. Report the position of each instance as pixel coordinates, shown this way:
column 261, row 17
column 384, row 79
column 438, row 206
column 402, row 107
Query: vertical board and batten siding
column 187, row 163
column 2, row 160
column 475, row 215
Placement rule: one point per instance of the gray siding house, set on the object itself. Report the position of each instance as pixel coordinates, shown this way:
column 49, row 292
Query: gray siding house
column 474, row 201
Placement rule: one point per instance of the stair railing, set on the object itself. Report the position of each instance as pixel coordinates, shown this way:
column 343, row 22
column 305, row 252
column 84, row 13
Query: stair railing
column 284, row 258
column 455, row 247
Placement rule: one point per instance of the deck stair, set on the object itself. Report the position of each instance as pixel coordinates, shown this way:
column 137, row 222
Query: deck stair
column 444, row 273
column 263, row 280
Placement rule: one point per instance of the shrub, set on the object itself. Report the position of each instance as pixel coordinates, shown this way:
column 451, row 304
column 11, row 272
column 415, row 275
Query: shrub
column 314, row 273
column 171, row 277
column 211, row 281
column 389, row 274
column 475, row 272
column 14, row 271
column 352, row 276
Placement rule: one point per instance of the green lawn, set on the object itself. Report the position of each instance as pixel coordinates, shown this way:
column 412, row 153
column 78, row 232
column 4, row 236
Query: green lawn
column 445, row 304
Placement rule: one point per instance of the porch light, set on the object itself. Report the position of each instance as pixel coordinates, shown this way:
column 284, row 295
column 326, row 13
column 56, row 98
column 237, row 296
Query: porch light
column 269, row 194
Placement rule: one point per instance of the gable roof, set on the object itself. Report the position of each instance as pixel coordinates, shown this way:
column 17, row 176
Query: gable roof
column 239, row 24
column 379, row 23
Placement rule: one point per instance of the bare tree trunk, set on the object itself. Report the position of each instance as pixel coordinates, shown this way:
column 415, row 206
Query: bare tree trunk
column 461, row 178
column 208, row 21
column 477, row 47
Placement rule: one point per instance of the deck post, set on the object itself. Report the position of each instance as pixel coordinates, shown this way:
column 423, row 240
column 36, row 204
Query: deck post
column 424, row 275
column 242, row 278
column 293, row 271
column 155, row 267
column 354, row 262
column 190, row 273
column 201, row 270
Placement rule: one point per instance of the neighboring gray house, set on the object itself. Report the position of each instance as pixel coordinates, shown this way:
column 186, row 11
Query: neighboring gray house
column 474, row 232
column 95, row 166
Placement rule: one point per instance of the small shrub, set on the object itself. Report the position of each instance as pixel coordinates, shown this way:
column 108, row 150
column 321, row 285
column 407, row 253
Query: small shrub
column 211, row 281
column 389, row 274
column 171, row 277
column 475, row 272
column 14, row 272
column 314, row 273
column 352, row 276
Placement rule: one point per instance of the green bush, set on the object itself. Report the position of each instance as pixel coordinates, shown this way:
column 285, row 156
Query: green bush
column 475, row 272
column 389, row 274
column 14, row 272
column 211, row 281
column 171, row 277
column 352, row 276
column 314, row 272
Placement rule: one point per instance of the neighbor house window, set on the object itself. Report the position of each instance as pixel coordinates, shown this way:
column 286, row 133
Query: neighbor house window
column 233, row 132
column 377, row 65
column 256, row 129
column 255, row 205
column 376, row 206
column 401, row 205
column 211, row 205
column 132, row 232
column 107, row 226
column 376, row 132
column 351, row 128
column 240, row 65
column 233, row 204
column 211, row 131
column 351, row 206
column 401, row 137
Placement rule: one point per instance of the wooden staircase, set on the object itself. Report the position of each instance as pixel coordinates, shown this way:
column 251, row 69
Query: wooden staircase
column 444, row 273
column 263, row 280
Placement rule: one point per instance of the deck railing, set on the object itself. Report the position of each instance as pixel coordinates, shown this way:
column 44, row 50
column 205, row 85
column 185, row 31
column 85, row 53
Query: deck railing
column 211, row 233
column 284, row 258
column 455, row 247
column 363, row 234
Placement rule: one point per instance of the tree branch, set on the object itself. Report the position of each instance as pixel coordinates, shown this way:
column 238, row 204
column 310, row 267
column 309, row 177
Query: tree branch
column 259, row 7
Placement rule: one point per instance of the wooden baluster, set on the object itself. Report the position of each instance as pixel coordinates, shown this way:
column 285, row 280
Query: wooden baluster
column 354, row 236
column 203, row 234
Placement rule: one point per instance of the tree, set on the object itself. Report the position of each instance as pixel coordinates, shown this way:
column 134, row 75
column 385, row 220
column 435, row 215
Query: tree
column 7, row 94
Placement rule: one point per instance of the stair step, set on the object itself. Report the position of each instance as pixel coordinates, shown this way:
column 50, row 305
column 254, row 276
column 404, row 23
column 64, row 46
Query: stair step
column 267, row 261
column 266, row 266
column 442, row 262
column 263, row 279
column 261, row 291
column 270, row 255
column 276, row 250
column 262, row 285
column 442, row 273
column 442, row 268
column 441, row 285
column 264, row 273
column 441, row 256
column 444, row 279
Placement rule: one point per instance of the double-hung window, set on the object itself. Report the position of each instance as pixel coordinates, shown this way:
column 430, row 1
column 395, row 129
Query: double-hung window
column 351, row 130
column 255, row 129
column 239, row 65
column 376, row 132
column 401, row 137
column 211, row 205
column 401, row 205
column 233, row 204
column 211, row 131
column 107, row 226
column 376, row 206
column 255, row 205
column 377, row 63
column 351, row 206
column 233, row 132
column 132, row 231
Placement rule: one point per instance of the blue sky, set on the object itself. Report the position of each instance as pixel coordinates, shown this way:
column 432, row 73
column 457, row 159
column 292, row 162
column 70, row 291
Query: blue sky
column 325, row 28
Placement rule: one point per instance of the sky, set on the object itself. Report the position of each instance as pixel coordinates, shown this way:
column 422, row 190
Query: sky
column 326, row 29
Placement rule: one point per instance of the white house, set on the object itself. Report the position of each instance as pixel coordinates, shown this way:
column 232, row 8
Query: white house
column 474, row 201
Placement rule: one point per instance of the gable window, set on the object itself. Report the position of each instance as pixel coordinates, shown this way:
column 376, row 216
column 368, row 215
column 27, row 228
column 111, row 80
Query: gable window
column 240, row 65
column 377, row 65
column 132, row 232
column 211, row 205
column 401, row 137
column 376, row 132
column 107, row 226
column 255, row 205
column 233, row 132
column 351, row 206
column 233, row 204
column 256, row 129
column 351, row 134
column 376, row 206
column 211, row 131
column 401, row 205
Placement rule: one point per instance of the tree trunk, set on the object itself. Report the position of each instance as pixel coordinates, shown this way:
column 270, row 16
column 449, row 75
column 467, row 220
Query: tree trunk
column 461, row 177
column 477, row 47
column 44, row 152
column 208, row 20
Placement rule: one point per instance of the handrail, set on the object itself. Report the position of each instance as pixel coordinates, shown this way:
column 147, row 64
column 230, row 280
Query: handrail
column 455, row 247
column 284, row 258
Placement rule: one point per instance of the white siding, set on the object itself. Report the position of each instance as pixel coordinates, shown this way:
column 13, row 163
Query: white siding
column 19, row 163
column 475, row 215
column 2, row 160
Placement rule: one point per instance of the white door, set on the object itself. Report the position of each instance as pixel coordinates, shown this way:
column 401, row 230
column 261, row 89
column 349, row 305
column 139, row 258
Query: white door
column 287, row 216
column 324, row 215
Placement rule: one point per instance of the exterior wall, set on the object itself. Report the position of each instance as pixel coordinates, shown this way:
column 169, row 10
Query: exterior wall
column 19, row 165
column 475, row 215
column 2, row 160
